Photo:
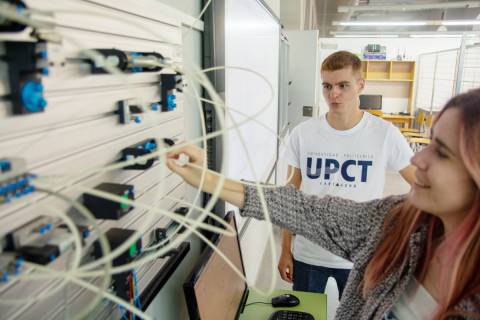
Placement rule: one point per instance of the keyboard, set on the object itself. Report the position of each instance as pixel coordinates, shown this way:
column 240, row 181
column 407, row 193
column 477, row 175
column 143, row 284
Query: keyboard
column 290, row 315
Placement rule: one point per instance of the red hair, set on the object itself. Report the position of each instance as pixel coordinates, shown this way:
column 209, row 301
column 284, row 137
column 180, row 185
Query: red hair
column 460, row 249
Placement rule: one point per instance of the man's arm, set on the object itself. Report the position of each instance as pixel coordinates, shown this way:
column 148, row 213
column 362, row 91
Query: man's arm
column 285, row 264
column 408, row 173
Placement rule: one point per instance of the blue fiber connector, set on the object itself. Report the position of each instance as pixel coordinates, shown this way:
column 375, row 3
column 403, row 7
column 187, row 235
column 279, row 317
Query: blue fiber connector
column 171, row 102
column 5, row 165
column 32, row 96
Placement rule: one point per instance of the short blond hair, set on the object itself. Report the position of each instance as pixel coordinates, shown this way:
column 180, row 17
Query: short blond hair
column 341, row 60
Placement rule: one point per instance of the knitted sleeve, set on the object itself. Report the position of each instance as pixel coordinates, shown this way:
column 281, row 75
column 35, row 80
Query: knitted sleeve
column 339, row 225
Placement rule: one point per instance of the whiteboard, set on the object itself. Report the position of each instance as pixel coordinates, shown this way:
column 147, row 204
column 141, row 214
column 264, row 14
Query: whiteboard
column 471, row 69
column 252, row 40
column 436, row 79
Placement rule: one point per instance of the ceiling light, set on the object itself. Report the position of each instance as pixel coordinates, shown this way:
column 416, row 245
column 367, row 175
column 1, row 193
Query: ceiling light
column 410, row 7
column 406, row 23
column 435, row 35
column 460, row 22
column 381, row 23
column 366, row 36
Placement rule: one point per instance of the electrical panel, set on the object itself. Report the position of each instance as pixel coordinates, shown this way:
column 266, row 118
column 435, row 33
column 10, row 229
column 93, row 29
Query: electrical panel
column 91, row 94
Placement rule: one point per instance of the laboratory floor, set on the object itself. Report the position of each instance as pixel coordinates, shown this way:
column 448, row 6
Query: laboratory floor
column 394, row 184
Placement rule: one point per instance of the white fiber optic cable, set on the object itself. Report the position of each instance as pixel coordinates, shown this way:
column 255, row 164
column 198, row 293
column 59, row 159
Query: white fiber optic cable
column 218, row 103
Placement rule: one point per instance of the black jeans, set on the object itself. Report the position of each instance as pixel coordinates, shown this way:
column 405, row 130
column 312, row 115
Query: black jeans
column 310, row 278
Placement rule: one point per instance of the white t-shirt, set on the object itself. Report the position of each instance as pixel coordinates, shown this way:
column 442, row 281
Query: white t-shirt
column 415, row 303
column 346, row 163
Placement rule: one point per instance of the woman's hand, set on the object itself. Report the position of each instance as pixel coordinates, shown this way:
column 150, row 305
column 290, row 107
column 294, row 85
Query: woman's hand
column 191, row 171
column 187, row 161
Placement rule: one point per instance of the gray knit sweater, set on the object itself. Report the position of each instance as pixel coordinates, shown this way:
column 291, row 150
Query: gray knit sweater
column 352, row 231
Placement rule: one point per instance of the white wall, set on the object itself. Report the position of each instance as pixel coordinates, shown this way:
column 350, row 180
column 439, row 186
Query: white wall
column 412, row 47
column 290, row 14
column 303, row 74
column 275, row 6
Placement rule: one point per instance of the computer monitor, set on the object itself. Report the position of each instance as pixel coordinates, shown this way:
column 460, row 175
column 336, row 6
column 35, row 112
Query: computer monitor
column 214, row 290
column 371, row 101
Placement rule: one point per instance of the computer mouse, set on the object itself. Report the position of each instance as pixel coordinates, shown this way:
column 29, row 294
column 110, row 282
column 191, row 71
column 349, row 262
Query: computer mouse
column 285, row 300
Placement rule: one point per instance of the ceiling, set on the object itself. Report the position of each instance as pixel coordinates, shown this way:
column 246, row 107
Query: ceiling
column 321, row 14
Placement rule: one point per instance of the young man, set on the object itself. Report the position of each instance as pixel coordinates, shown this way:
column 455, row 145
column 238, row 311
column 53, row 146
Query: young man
column 346, row 153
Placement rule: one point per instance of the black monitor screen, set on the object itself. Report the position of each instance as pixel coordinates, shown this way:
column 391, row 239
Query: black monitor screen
column 371, row 101
column 214, row 290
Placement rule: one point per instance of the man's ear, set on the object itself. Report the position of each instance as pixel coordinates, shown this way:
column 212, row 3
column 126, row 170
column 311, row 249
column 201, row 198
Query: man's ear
column 361, row 84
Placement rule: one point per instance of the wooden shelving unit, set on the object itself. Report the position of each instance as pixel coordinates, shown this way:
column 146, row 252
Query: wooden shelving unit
column 391, row 71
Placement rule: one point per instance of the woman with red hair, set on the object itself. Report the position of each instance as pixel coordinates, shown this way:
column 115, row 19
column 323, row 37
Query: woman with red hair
column 415, row 256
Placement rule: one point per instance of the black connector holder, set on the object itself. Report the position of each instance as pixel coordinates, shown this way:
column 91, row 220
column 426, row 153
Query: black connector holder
column 26, row 89
column 106, row 209
column 128, row 112
column 115, row 238
column 40, row 255
column 137, row 150
column 170, row 83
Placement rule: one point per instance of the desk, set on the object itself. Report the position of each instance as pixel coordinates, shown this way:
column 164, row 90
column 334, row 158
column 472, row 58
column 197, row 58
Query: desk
column 313, row 303
column 401, row 119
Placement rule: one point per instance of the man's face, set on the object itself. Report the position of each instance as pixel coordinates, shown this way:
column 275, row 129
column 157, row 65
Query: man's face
column 341, row 89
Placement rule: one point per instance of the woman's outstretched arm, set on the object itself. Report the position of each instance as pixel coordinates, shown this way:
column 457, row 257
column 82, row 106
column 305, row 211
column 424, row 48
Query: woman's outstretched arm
column 341, row 226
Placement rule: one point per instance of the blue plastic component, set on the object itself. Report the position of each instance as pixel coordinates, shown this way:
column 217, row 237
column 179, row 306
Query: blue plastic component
column 19, row 262
column 20, row 8
column 136, row 69
column 22, row 183
column 52, row 258
column 86, row 233
column 43, row 54
column 5, row 165
column 150, row 146
column 4, row 277
column 45, row 229
column 171, row 102
column 137, row 119
column 11, row 187
column 155, row 106
column 32, row 96
column 45, row 71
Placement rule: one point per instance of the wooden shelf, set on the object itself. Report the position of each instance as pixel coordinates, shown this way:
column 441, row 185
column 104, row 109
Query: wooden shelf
column 394, row 80
column 394, row 72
